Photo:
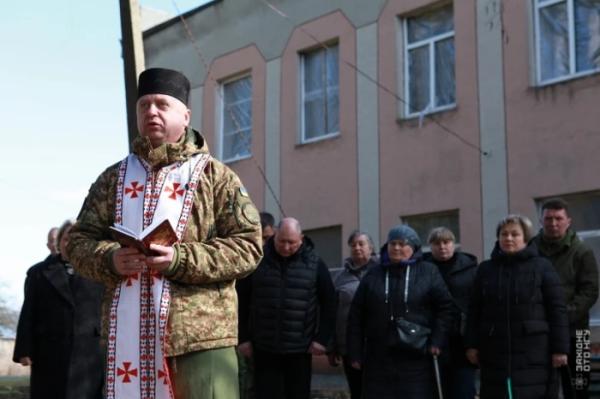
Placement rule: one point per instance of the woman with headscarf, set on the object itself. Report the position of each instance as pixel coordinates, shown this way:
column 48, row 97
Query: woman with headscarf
column 58, row 334
column 402, row 290
column 517, row 325
column 361, row 260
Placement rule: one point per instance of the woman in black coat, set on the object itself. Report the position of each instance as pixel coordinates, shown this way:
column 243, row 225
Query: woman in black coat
column 58, row 334
column 458, row 270
column 372, row 341
column 517, row 326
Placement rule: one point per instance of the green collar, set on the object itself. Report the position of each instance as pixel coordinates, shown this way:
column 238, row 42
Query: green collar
column 168, row 153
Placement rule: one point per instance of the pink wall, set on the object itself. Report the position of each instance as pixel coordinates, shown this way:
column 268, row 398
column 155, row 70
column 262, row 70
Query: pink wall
column 425, row 169
column 250, row 60
column 310, row 195
column 552, row 132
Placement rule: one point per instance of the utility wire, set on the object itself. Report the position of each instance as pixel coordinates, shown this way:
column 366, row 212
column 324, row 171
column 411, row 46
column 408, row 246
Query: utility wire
column 190, row 36
column 375, row 81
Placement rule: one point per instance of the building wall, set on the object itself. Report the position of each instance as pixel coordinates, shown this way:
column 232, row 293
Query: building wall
column 423, row 168
column 516, row 142
column 552, row 131
column 308, row 170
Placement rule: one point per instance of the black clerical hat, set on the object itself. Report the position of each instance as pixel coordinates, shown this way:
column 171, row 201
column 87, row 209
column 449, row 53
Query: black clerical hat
column 164, row 81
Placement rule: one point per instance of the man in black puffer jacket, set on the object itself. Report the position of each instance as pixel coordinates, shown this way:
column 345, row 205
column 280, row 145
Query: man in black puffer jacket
column 458, row 270
column 291, row 315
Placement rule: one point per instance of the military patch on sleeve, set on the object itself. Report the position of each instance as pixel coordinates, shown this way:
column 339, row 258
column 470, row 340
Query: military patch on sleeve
column 250, row 213
column 245, row 211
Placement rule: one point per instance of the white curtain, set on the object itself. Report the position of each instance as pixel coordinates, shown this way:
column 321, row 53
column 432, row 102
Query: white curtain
column 321, row 92
column 237, row 119
column 554, row 38
column 423, row 40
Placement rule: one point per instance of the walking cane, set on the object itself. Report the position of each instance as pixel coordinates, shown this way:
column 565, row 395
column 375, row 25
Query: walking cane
column 438, row 379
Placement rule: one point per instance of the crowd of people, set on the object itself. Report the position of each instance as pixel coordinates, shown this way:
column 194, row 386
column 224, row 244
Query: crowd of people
column 237, row 305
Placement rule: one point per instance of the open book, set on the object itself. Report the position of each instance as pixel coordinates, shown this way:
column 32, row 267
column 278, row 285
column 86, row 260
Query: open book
column 161, row 233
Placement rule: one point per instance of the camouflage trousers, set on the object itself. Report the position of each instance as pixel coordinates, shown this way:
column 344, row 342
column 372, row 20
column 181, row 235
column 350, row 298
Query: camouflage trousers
column 206, row 374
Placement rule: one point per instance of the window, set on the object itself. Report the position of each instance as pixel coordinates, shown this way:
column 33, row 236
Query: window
column 236, row 119
column 567, row 38
column 429, row 62
column 584, row 211
column 328, row 244
column 423, row 224
column 320, row 94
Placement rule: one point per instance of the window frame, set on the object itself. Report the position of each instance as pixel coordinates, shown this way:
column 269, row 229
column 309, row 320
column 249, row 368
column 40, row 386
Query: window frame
column 221, row 115
column 430, row 43
column 573, row 74
column 302, row 136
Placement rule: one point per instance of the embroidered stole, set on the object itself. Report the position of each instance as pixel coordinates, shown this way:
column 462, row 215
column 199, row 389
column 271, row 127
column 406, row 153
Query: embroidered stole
column 136, row 365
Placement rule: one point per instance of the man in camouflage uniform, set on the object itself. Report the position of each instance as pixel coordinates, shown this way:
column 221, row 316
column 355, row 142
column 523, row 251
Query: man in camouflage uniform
column 221, row 243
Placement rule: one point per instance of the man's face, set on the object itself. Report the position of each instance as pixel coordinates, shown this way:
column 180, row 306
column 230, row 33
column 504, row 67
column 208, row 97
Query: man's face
column 287, row 242
column 267, row 233
column 64, row 241
column 555, row 223
column 51, row 242
column 161, row 118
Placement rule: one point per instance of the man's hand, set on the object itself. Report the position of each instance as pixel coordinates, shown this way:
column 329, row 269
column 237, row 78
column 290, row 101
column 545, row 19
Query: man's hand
column 558, row 360
column 163, row 260
column 128, row 261
column 355, row 365
column 316, row 349
column 245, row 349
column 473, row 356
column 25, row 361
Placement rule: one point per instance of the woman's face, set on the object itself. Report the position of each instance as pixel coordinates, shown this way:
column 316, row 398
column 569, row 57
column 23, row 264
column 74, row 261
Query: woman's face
column 360, row 250
column 442, row 250
column 511, row 238
column 399, row 250
column 64, row 240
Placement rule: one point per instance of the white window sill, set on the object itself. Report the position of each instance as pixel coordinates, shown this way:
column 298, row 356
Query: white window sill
column 565, row 78
column 320, row 138
column 431, row 111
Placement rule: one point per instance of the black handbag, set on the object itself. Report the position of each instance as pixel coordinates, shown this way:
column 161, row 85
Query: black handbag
column 412, row 336
column 408, row 335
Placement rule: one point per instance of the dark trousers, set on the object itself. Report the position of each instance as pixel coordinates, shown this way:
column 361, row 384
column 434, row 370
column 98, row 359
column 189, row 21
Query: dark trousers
column 354, row 378
column 458, row 382
column 282, row 376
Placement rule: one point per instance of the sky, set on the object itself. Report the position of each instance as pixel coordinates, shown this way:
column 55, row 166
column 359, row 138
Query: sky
column 63, row 118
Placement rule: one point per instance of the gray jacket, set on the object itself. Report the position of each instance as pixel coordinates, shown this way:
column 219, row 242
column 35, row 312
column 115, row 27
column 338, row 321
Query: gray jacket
column 346, row 282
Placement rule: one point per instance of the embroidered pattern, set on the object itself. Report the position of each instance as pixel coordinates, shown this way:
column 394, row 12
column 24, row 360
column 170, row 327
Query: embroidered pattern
column 126, row 372
column 134, row 189
column 188, row 200
column 112, row 345
column 119, row 199
column 175, row 190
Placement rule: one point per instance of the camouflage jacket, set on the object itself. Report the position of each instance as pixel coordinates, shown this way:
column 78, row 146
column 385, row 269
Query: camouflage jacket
column 222, row 243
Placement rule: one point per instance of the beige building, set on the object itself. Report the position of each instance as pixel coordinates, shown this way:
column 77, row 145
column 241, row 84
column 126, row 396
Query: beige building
column 360, row 114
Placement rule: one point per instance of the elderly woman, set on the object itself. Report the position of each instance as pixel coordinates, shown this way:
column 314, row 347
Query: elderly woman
column 458, row 270
column 517, row 327
column 58, row 334
column 401, row 290
column 362, row 259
